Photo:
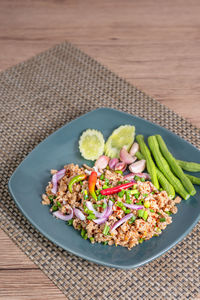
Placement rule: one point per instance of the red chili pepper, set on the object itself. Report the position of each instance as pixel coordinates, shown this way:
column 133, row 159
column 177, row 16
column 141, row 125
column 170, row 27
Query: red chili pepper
column 116, row 189
column 91, row 184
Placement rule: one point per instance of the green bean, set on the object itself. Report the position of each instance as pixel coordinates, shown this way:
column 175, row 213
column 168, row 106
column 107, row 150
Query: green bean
column 139, row 155
column 165, row 169
column 185, row 165
column 151, row 168
column 175, row 167
column 189, row 166
column 165, row 184
column 193, row 179
column 161, row 178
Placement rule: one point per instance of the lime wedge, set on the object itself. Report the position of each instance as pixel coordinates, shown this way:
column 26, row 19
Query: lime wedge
column 122, row 136
column 91, row 144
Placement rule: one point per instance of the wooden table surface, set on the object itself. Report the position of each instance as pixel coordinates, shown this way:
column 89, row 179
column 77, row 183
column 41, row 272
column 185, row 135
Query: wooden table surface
column 154, row 44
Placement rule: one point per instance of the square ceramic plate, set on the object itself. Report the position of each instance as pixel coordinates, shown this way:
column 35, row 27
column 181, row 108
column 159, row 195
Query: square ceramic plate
column 29, row 180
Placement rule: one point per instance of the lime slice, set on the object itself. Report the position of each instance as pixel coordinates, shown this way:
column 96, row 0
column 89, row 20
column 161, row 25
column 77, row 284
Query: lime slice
column 91, row 144
column 122, row 136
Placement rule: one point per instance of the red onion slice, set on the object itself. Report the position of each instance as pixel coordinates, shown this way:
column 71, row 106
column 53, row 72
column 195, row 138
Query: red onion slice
column 118, row 223
column 104, row 218
column 133, row 206
column 59, row 215
column 96, row 213
column 113, row 162
column 138, row 166
column 131, row 176
column 134, row 149
column 102, row 162
column 55, row 179
column 79, row 214
column 121, row 166
column 126, row 157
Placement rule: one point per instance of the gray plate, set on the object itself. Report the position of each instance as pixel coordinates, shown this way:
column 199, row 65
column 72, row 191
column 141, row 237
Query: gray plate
column 28, row 182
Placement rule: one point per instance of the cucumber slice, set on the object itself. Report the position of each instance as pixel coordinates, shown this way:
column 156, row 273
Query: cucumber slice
column 91, row 144
column 122, row 136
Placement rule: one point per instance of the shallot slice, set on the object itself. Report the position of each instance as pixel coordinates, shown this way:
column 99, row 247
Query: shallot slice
column 103, row 218
column 131, row 176
column 133, row 206
column 118, row 223
column 79, row 214
column 121, row 166
column 134, row 149
column 113, row 162
column 59, row 215
column 57, row 176
column 126, row 157
column 102, row 162
column 96, row 213
column 138, row 166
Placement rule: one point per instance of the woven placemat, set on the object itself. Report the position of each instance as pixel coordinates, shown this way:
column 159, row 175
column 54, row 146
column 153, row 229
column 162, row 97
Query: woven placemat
column 39, row 96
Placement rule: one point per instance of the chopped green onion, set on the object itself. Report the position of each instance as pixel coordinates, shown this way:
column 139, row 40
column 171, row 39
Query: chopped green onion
column 70, row 222
column 54, row 208
column 105, row 186
column 162, row 219
column 81, row 182
column 145, row 195
column 119, row 182
column 151, row 210
column 83, row 232
column 133, row 192
column 104, row 205
column 153, row 193
column 91, row 217
column 137, row 196
column 119, row 172
column 111, row 199
column 128, row 201
column 126, row 181
column 58, row 203
column 105, row 243
column 106, row 229
column 97, row 192
column 51, row 197
column 132, row 219
column 143, row 179
column 136, row 177
column 121, row 193
column 168, row 212
column 145, row 216
column 107, row 181
column 91, row 239
column 127, row 211
column 85, row 236
column 141, row 241
column 100, row 197
column 102, row 177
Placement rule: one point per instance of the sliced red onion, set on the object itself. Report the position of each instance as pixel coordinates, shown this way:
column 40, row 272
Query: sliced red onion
column 133, row 206
column 55, row 178
column 79, row 214
column 131, row 176
column 121, row 166
column 118, row 223
column 96, row 170
column 102, row 162
column 134, row 149
column 59, row 215
column 113, row 162
column 100, row 220
column 126, row 157
column 138, row 166
column 96, row 213
column 109, row 211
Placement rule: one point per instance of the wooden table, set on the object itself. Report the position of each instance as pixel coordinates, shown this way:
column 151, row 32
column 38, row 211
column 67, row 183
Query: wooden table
column 153, row 44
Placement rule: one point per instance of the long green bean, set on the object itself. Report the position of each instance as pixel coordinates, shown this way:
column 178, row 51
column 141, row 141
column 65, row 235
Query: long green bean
column 193, row 179
column 165, row 169
column 161, row 178
column 151, row 168
column 189, row 166
column 175, row 167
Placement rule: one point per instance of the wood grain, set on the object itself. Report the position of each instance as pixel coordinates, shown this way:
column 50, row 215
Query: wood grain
column 154, row 44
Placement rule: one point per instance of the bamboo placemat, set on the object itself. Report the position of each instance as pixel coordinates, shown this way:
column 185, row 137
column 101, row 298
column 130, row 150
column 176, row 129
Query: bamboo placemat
column 38, row 97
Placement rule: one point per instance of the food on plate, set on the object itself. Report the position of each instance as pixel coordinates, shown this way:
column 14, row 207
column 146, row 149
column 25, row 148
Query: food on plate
column 109, row 205
column 123, row 136
column 108, row 209
column 91, row 144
